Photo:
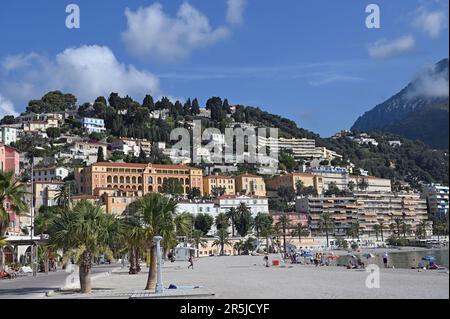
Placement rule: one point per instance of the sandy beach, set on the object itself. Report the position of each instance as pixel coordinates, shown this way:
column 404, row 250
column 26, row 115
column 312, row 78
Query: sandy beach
column 246, row 277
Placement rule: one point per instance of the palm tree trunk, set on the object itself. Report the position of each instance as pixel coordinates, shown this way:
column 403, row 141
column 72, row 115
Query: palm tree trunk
column 326, row 233
column 85, row 272
column 133, row 268
column 382, row 238
column 151, row 281
column 2, row 259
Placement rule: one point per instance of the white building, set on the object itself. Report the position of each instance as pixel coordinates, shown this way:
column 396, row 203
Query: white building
column 44, row 174
column 86, row 151
column 8, row 134
column 130, row 146
column 93, row 125
column 159, row 114
column 256, row 204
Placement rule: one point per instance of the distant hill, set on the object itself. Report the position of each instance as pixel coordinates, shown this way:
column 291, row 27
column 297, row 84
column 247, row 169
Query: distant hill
column 419, row 112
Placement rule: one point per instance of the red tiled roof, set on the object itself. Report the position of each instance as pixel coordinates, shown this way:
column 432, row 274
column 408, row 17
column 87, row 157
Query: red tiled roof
column 49, row 182
column 161, row 166
column 218, row 176
column 248, row 175
column 237, row 196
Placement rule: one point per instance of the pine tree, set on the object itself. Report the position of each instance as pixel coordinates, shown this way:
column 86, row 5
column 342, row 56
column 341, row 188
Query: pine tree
column 148, row 103
column 195, row 107
column 100, row 155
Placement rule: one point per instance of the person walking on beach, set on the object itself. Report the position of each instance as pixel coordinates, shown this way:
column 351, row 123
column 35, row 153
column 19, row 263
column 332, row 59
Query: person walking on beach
column 191, row 262
column 266, row 259
column 385, row 259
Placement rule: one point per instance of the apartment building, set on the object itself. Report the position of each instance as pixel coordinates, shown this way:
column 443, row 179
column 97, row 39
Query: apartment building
column 43, row 174
column 141, row 177
column 116, row 201
column 87, row 150
column 256, row 204
column 330, row 174
column 93, row 125
column 371, row 183
column 131, row 146
column 301, row 147
column 249, row 184
column 291, row 180
column 437, row 200
column 9, row 159
column 366, row 208
column 8, row 134
column 212, row 182
column 45, row 193
column 40, row 125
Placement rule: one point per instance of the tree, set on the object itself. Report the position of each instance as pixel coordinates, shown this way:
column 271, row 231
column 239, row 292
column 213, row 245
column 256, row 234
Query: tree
column 222, row 240
column 300, row 230
column 85, row 232
column 149, row 103
column 172, row 186
column 421, row 229
column 238, row 246
column 244, row 220
column 353, row 231
column 351, row 186
column 133, row 235
column 198, row 240
column 377, row 229
column 100, row 155
column 195, row 107
column 232, row 215
column 299, row 185
column 363, row 184
column 13, row 193
column 194, row 193
column 53, row 132
column 286, row 193
column 333, row 189
column 218, row 191
column 8, row 119
column 263, row 222
column 284, row 224
column 203, row 222
column 62, row 197
column 222, row 221
column 157, row 215
column 326, row 224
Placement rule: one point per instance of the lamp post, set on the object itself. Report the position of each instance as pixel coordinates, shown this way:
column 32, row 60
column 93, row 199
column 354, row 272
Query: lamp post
column 159, row 283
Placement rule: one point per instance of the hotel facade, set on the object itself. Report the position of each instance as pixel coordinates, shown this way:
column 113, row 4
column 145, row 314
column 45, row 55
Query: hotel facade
column 146, row 178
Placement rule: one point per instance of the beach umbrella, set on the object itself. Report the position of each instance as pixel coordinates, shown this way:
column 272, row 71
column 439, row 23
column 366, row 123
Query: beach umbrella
column 428, row 258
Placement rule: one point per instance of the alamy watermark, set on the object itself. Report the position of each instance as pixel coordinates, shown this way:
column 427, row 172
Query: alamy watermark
column 373, row 279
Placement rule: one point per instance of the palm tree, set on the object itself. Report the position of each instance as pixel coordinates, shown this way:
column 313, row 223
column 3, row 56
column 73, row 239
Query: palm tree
column 421, row 229
column 222, row 240
column 222, row 221
column 133, row 236
column 284, row 223
column 244, row 221
column 377, row 229
column 156, row 213
column 262, row 221
column 267, row 232
column 232, row 215
column 354, row 230
column 326, row 224
column 300, row 230
column 62, row 197
column 198, row 240
column 85, row 232
column 382, row 231
column 12, row 193
column 239, row 245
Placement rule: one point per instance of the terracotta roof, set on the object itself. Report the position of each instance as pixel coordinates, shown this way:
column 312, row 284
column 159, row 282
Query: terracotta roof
column 248, row 175
column 49, row 182
column 238, row 196
column 161, row 166
column 218, row 176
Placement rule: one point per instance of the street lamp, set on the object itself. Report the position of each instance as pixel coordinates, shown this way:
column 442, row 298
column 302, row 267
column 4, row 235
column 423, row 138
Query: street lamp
column 159, row 283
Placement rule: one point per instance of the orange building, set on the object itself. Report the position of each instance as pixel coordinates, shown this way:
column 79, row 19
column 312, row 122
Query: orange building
column 249, row 184
column 291, row 180
column 219, row 181
column 146, row 178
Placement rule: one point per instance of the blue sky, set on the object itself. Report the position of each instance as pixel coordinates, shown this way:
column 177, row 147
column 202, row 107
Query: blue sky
column 312, row 61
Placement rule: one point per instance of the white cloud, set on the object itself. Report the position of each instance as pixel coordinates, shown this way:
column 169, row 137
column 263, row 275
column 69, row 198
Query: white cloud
column 430, row 22
column 6, row 107
column 86, row 71
column 235, row 12
column 153, row 34
column 384, row 49
column 332, row 78
column 431, row 84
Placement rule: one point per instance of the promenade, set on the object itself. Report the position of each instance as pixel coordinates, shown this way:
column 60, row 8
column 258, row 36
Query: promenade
column 246, row 277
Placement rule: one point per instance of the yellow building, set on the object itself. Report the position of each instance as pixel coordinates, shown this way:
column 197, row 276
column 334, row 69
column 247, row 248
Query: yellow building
column 219, row 181
column 146, row 178
column 248, row 184
column 291, row 180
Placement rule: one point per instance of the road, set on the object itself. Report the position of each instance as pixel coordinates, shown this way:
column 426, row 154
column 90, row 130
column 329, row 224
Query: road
column 33, row 287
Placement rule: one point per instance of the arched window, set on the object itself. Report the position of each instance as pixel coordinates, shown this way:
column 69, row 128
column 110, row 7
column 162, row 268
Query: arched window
column 121, row 187
column 133, row 187
column 159, row 189
column 139, row 188
column 150, row 180
column 159, row 180
column 139, row 180
column 181, row 181
column 109, row 186
column 116, row 179
column 150, row 188
column 122, row 179
column 133, row 180
column 187, row 181
column 109, row 179
column 128, row 179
